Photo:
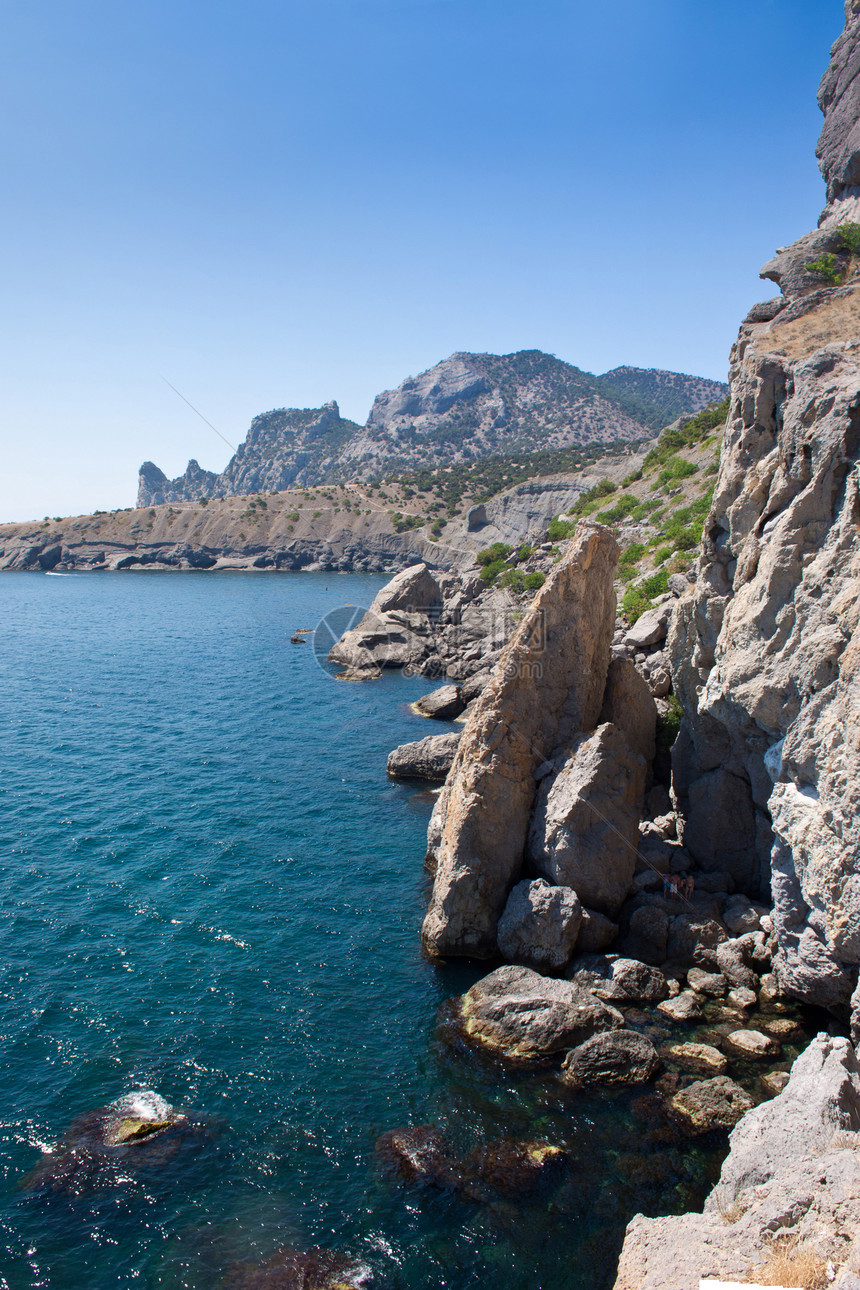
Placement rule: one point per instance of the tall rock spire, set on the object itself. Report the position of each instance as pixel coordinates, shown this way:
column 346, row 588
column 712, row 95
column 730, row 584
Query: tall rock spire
column 838, row 149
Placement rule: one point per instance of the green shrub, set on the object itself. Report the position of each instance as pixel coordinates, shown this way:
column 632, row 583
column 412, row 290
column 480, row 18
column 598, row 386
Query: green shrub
column 558, row 529
column 293, row 515
column 849, row 236
column 633, row 554
column 662, row 553
column 491, row 571
column 592, row 497
column 513, row 579
column 676, row 468
column 634, row 602
column 534, row 580
column 499, row 551
column 668, row 725
column 623, row 507
column 644, row 509
column 632, row 478
column 656, row 584
column 525, row 551
column 827, row 267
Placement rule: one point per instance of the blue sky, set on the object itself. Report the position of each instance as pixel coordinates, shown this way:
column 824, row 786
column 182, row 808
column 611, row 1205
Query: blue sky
column 281, row 202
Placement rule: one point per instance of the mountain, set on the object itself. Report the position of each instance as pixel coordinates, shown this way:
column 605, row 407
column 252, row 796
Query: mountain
column 465, row 408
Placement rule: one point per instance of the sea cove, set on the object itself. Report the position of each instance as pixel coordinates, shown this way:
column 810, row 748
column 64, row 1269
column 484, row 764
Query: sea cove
column 211, row 889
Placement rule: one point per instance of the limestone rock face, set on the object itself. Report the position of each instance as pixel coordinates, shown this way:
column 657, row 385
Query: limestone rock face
column 547, row 686
column 765, row 653
column 629, row 705
column 539, row 925
column 793, row 1164
column 586, row 821
column 524, row 1016
column 397, row 629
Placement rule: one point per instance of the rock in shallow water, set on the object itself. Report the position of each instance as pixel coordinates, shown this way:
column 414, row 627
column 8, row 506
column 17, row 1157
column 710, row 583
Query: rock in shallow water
column 298, row 1270
column 618, row 1057
column 444, row 704
column 752, row 1044
column 138, row 1131
column 428, row 759
column 686, row 1006
column 700, row 1059
column 521, row 1015
column 707, row 1104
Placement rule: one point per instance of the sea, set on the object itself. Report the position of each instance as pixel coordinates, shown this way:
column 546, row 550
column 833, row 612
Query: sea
column 212, row 891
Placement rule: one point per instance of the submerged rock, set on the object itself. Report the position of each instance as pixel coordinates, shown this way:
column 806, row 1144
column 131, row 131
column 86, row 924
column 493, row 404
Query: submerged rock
column 298, row 1270
column 707, row 1104
column 418, row 1155
column 686, row 1006
column 514, row 1167
column 138, row 1131
column 619, row 1057
column 521, row 1015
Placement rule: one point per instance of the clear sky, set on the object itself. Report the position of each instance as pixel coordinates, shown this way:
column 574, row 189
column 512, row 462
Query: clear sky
column 280, row 202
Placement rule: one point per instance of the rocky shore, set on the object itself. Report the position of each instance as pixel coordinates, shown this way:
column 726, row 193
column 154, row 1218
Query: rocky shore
column 661, row 918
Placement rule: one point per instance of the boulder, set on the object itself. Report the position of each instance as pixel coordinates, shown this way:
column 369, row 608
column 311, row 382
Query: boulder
column 417, row 1154
column 585, row 828
column 700, row 1059
column 730, row 960
column 521, row 1015
column 649, row 629
column 628, row 705
column 414, row 589
column 686, row 1006
column 751, row 1045
column 647, row 935
column 693, row 939
column 623, row 980
column 444, row 704
column 397, row 628
column 616, row 1057
column 513, row 1167
column 547, row 686
column 539, row 925
column 741, row 997
column 717, row 1103
column 711, row 983
column 429, row 759
column 287, row 1269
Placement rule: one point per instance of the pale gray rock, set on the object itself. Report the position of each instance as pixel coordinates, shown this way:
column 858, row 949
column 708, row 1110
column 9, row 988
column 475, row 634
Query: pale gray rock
column 732, row 962
column 700, row 1059
column 548, row 685
column 616, row 1057
column 622, row 980
column 628, row 705
column 741, row 997
column 651, row 628
column 710, row 983
column 751, row 1044
column 522, row 1015
column 539, row 925
column 444, row 704
column 429, row 758
column 686, row 1006
column 585, row 826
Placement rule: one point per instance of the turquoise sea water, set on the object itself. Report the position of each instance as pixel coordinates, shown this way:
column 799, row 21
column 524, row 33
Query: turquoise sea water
column 210, row 889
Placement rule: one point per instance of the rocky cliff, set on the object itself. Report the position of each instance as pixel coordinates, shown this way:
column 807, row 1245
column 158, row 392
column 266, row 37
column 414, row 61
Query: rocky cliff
column 765, row 653
column 285, row 447
column 467, row 407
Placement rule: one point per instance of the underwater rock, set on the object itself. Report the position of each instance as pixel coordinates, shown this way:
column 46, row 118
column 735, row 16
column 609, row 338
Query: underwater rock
column 686, row 1006
column 752, row 1044
column 619, row 1057
column 513, row 1167
column 298, row 1270
column 707, row 1104
column 138, row 1131
column 417, row 1154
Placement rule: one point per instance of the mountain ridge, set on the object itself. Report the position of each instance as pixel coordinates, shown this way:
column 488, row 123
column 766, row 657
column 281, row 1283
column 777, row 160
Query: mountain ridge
column 465, row 408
